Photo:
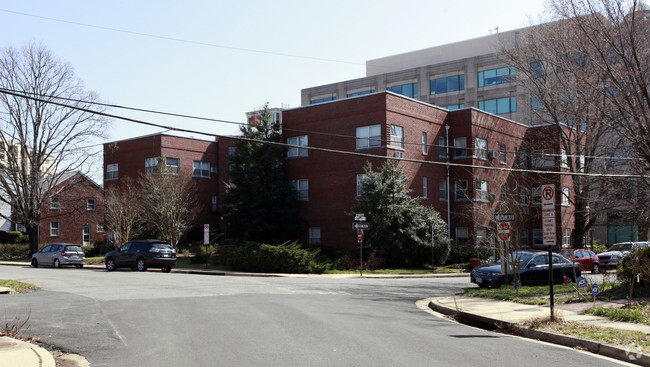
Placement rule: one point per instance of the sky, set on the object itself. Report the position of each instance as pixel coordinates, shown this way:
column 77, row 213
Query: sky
column 221, row 59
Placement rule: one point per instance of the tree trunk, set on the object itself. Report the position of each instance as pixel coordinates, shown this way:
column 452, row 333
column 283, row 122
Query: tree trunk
column 34, row 239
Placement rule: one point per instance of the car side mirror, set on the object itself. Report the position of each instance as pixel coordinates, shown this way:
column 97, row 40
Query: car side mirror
column 531, row 266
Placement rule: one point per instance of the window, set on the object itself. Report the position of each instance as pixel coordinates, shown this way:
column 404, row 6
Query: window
column 442, row 190
column 543, row 158
column 499, row 106
column 481, row 190
column 523, row 197
column 522, row 159
column 55, row 203
column 537, row 71
column 425, row 188
column 314, row 235
column 523, row 239
column 55, row 229
column 172, row 164
column 300, row 141
column 407, row 89
column 424, row 143
column 112, row 171
column 481, row 236
column 462, row 236
column 397, row 136
column 566, row 237
column 460, row 147
column 535, row 103
column 90, row 205
column 322, row 99
column 360, row 93
column 368, row 137
column 564, row 159
column 214, row 203
column 201, row 169
column 360, row 179
column 537, row 195
column 86, row 235
column 100, row 227
column 452, row 107
column 502, row 153
column 538, row 237
column 447, row 84
column 504, row 193
column 480, row 148
column 151, row 165
column 302, row 189
column 565, row 196
column 496, row 76
column 460, row 190
column 442, row 147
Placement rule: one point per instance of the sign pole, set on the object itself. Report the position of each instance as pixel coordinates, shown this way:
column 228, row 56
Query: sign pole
column 549, row 235
column 360, row 241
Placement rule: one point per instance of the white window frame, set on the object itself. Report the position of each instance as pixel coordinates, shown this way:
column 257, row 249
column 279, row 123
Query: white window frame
column 397, row 136
column 502, row 153
column 368, row 136
column 55, row 203
column 460, row 145
column 480, row 148
column 442, row 190
column 314, row 235
column 564, row 159
column 565, row 199
column 85, row 234
column 173, row 168
column 302, row 141
column 91, row 205
column 463, row 191
column 112, row 171
column 482, row 191
column 203, row 169
column 302, row 189
column 100, row 227
column 442, row 147
column 55, row 229
column 425, row 147
column 566, row 237
column 462, row 233
column 481, row 236
column 151, row 164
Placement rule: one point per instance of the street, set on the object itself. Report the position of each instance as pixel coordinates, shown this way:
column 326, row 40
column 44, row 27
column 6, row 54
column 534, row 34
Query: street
column 128, row 318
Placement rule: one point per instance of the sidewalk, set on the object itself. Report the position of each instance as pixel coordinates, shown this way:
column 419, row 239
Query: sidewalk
column 17, row 353
column 510, row 316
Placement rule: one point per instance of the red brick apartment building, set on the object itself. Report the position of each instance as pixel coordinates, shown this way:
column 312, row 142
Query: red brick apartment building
column 74, row 213
column 481, row 175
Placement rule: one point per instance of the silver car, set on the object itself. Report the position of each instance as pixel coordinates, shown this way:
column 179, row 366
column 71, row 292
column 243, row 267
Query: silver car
column 59, row 254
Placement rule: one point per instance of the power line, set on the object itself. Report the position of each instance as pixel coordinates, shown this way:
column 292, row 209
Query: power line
column 358, row 154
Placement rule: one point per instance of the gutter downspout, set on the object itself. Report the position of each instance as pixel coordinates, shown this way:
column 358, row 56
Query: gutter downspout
column 448, row 187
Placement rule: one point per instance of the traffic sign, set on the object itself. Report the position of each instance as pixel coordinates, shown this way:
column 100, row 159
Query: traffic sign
column 548, row 197
column 206, row 234
column 359, row 236
column 504, row 217
column 548, row 215
column 360, row 217
column 360, row 225
column 503, row 230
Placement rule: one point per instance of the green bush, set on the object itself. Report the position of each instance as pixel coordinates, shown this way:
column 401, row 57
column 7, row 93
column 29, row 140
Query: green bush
column 99, row 248
column 14, row 251
column 288, row 257
column 461, row 255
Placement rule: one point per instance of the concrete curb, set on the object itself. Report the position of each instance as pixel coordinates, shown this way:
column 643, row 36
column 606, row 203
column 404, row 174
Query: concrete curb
column 17, row 353
column 488, row 323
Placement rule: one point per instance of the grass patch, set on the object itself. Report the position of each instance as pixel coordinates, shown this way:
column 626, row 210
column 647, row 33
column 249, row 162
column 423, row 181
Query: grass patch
column 639, row 313
column 18, row 287
column 95, row 260
column 633, row 340
column 530, row 295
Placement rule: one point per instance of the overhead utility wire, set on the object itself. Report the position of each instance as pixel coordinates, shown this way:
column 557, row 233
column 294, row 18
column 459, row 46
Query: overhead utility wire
column 317, row 148
column 173, row 114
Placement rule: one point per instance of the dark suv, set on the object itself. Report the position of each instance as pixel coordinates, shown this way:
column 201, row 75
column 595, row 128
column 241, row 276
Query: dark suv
column 142, row 254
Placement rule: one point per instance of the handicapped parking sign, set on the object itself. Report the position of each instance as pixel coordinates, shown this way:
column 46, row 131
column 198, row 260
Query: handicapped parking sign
column 595, row 290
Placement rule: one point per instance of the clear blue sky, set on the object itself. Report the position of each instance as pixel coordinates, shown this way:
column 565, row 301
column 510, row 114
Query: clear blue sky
column 233, row 55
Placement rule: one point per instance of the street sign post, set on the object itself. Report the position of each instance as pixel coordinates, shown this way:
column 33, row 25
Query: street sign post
column 549, row 235
column 360, row 225
column 206, row 242
column 504, row 217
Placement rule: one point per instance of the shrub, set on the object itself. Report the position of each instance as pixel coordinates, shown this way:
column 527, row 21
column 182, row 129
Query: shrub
column 598, row 247
column 99, row 248
column 14, row 237
column 14, row 251
column 288, row 257
column 461, row 255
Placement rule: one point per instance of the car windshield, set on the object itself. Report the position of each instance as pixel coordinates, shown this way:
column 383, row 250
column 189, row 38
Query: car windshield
column 162, row 245
column 522, row 256
column 73, row 248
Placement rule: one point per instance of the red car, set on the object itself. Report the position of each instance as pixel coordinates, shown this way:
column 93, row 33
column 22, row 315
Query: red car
column 587, row 259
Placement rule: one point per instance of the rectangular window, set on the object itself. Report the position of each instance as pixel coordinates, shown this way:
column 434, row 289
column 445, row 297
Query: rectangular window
column 453, row 107
column 55, row 203
column 151, row 165
column 442, row 190
column 55, row 229
column 442, row 147
column 499, row 105
column 566, row 238
column 523, row 197
column 86, row 235
column 460, row 147
column 537, row 195
column 90, row 205
column 214, row 203
column 481, row 236
column 360, row 178
column 368, row 136
column 112, row 171
column 300, row 141
column 424, row 143
column 481, row 190
column 201, row 169
column 480, row 148
column 172, row 164
column 564, row 159
column 543, row 158
column 322, row 99
column 502, row 153
column 397, row 136
column 565, row 196
column 462, row 236
column 523, row 240
column 100, row 227
column 302, row 189
column 425, row 188
column 448, row 84
column 538, row 237
column 460, row 190
column 408, row 89
column 537, row 70
column 496, row 76
column 314, row 236
column 360, row 93
column 535, row 103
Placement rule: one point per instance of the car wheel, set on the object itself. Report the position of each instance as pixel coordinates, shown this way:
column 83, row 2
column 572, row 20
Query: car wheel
column 110, row 264
column 141, row 265
column 166, row 269
column 57, row 263
column 595, row 269
column 515, row 283
column 34, row 263
column 79, row 266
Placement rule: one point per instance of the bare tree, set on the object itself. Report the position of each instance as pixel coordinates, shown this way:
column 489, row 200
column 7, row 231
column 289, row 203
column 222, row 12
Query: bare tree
column 123, row 213
column 169, row 202
column 40, row 142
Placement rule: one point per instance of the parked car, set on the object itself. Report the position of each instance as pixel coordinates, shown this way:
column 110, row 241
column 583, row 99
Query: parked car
column 142, row 254
column 611, row 257
column 59, row 254
column 533, row 269
column 587, row 259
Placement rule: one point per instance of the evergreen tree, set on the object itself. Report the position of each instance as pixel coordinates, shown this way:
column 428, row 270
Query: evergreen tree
column 400, row 227
column 260, row 204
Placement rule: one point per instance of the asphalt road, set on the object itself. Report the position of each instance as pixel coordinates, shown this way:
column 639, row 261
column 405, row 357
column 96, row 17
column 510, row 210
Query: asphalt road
column 128, row 318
